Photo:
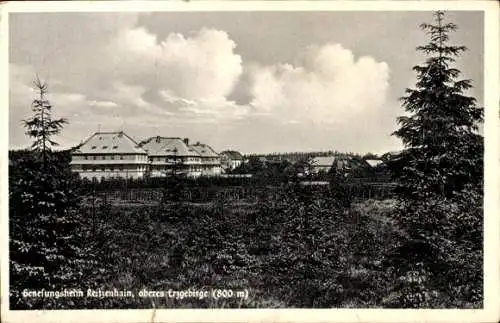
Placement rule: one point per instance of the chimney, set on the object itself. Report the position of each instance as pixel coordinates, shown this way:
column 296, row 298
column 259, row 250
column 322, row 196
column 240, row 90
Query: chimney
column 186, row 141
column 197, row 143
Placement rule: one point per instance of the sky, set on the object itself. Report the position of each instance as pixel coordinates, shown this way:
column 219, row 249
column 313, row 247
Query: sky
column 256, row 82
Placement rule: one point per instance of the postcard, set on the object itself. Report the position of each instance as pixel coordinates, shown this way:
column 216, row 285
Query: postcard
column 241, row 161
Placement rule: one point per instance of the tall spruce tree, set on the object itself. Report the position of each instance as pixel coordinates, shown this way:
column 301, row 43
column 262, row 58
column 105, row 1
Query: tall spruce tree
column 443, row 151
column 47, row 246
column 439, row 261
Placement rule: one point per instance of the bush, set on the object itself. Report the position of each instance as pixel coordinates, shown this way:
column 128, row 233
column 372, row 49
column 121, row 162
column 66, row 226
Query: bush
column 47, row 249
column 444, row 235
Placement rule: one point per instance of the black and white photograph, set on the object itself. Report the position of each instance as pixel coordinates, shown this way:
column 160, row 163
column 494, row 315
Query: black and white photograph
column 249, row 159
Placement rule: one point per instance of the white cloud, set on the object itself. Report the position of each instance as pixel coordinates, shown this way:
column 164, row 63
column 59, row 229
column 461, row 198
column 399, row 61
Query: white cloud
column 103, row 104
column 327, row 84
column 184, row 85
column 169, row 97
column 202, row 65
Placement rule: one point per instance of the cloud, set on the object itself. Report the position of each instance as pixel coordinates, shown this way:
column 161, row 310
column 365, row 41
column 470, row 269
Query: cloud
column 196, row 84
column 326, row 84
column 103, row 104
column 201, row 66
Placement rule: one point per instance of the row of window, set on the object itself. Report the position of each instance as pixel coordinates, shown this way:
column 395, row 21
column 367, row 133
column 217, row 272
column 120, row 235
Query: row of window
column 111, row 168
column 188, row 168
column 144, row 158
column 104, row 147
column 113, row 157
column 185, row 159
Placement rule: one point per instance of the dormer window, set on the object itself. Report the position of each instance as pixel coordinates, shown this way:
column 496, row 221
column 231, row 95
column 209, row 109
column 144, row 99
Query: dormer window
column 93, row 147
column 115, row 147
column 104, row 147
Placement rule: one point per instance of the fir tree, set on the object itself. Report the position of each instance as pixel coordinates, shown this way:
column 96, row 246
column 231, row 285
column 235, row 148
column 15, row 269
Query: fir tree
column 443, row 151
column 47, row 247
column 41, row 127
column 440, row 171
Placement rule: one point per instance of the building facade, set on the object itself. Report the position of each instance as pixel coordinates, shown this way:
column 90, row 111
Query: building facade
column 209, row 159
column 321, row 164
column 324, row 164
column 231, row 159
column 169, row 155
column 116, row 155
column 109, row 155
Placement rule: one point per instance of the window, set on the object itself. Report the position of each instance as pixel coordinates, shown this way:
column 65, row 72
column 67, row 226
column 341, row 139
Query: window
column 95, row 157
column 115, row 147
column 103, row 157
column 93, row 147
column 112, row 157
column 86, row 157
column 94, row 169
column 121, row 157
column 104, row 147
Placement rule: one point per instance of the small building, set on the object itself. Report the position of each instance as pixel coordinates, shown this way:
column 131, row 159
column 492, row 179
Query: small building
column 231, row 159
column 109, row 155
column 321, row 164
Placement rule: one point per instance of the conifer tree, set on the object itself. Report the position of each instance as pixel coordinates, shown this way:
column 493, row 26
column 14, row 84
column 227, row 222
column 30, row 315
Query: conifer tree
column 443, row 151
column 41, row 127
column 47, row 247
column 440, row 172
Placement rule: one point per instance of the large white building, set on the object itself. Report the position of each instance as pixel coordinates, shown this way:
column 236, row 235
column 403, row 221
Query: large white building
column 109, row 155
column 114, row 155
column 171, row 154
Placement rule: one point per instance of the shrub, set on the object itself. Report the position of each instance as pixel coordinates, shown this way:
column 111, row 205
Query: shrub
column 47, row 249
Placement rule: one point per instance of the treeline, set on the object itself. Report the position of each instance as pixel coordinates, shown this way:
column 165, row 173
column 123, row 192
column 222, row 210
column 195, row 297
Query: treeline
column 303, row 156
